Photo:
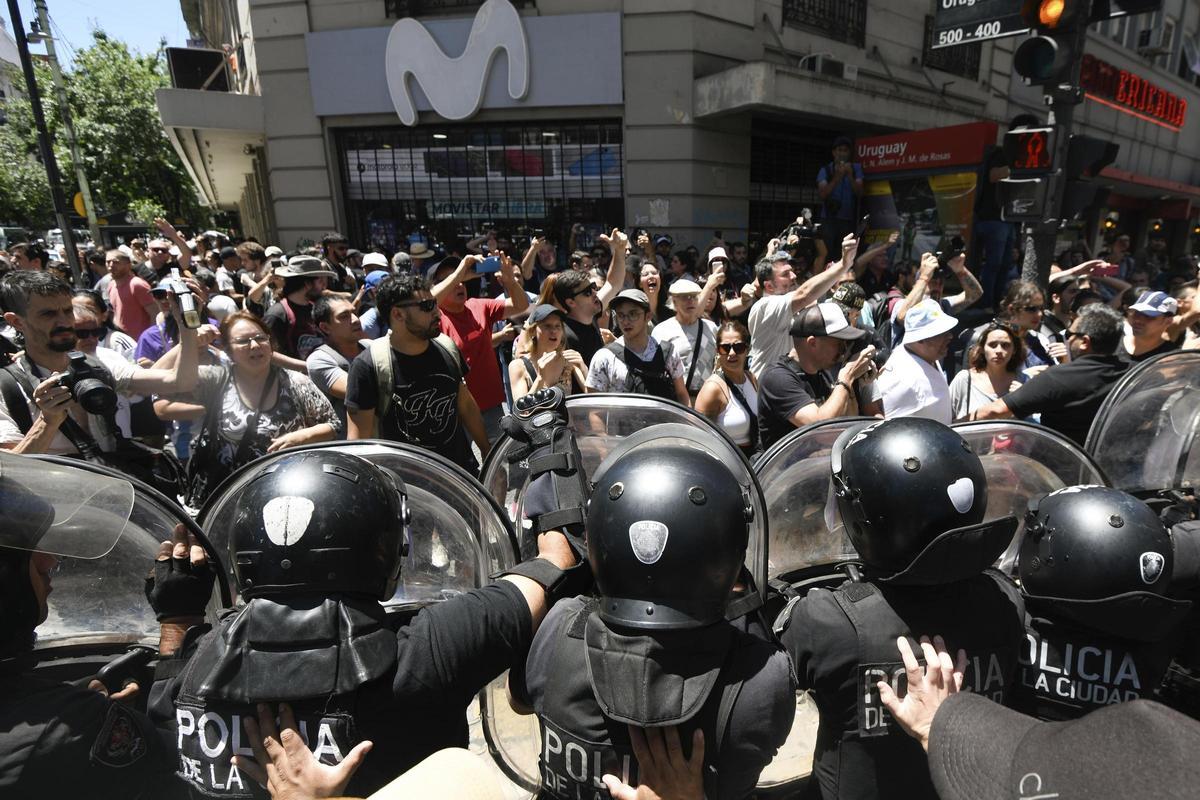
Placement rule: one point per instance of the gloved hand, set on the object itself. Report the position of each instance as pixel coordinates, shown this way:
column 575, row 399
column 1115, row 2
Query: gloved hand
column 557, row 493
column 181, row 581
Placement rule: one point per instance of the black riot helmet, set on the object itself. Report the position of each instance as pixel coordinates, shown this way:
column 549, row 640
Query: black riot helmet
column 319, row 522
column 912, row 495
column 667, row 529
column 1101, row 558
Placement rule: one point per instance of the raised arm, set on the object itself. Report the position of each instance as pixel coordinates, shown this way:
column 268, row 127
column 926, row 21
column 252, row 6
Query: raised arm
column 517, row 300
column 618, row 244
column 464, row 270
column 920, row 288
column 813, row 289
column 971, row 292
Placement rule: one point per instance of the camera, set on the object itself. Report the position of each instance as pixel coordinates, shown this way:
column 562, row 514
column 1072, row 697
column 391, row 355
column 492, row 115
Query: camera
column 802, row 228
column 950, row 251
column 88, row 385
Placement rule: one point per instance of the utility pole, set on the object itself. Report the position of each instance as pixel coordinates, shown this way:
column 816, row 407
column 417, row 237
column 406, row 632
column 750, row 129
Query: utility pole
column 44, row 144
column 60, row 92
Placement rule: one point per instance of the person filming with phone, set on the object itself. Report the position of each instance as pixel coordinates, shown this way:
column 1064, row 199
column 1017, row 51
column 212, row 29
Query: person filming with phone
column 839, row 185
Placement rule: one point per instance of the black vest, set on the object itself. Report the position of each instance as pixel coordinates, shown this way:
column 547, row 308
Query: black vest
column 580, row 744
column 864, row 753
column 1067, row 671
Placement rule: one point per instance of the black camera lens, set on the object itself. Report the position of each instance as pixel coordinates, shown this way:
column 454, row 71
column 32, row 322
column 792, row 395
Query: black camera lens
column 96, row 396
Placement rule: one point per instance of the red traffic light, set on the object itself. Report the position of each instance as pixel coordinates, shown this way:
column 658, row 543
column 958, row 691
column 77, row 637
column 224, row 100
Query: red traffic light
column 1030, row 150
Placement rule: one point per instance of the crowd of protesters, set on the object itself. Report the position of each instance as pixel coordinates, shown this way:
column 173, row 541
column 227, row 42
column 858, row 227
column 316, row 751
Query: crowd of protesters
column 431, row 344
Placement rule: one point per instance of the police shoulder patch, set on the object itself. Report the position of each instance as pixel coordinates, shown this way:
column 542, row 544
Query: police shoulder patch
column 120, row 742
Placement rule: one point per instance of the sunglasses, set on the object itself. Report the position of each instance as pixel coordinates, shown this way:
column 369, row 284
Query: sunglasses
column 733, row 347
column 1032, row 309
column 589, row 291
column 424, row 305
column 89, row 333
column 160, row 249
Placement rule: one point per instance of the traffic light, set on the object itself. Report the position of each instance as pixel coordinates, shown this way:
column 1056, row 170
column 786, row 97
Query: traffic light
column 1048, row 57
column 1030, row 156
column 1086, row 157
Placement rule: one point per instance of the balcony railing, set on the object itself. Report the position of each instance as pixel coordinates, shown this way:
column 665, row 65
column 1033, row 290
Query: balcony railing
column 397, row 9
column 843, row 20
column 961, row 59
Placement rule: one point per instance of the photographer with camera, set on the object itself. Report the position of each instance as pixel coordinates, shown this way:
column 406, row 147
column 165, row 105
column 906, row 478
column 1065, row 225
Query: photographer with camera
column 839, row 185
column 57, row 400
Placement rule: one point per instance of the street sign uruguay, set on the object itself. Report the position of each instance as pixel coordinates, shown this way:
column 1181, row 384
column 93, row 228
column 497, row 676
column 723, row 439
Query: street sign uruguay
column 962, row 21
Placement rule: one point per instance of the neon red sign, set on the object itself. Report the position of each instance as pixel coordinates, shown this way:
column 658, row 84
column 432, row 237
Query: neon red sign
column 1131, row 94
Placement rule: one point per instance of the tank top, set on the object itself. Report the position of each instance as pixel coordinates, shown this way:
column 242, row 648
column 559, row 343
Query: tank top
column 735, row 419
column 566, row 381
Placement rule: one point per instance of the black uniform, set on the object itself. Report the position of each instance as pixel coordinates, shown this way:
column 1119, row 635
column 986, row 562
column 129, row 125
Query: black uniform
column 745, row 719
column 420, row 681
column 60, row 741
column 1068, row 670
column 844, row 641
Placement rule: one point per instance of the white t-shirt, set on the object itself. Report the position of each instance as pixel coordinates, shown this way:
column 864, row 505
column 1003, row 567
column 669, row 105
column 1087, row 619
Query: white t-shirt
column 608, row 373
column 122, row 343
column 770, row 320
column 682, row 341
column 912, row 387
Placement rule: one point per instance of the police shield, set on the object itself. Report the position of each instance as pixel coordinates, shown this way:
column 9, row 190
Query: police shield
column 602, row 423
column 459, row 537
column 106, row 530
column 1144, row 435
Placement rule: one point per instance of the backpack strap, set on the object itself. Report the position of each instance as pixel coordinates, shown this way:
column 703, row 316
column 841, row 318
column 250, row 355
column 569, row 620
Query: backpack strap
column 695, row 354
column 14, row 399
column 381, row 359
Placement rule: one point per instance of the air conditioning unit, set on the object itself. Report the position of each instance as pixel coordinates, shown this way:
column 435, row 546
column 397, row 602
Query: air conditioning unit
column 832, row 67
column 1154, row 41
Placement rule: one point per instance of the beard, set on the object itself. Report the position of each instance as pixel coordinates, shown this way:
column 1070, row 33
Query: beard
column 61, row 345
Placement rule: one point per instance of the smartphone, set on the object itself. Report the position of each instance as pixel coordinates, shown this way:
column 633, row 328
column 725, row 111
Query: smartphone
column 1106, row 271
column 863, row 227
column 489, row 264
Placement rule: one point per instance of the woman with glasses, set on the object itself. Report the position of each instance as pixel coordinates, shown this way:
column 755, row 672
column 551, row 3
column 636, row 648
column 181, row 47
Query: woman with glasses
column 249, row 408
column 730, row 395
column 993, row 370
column 1022, row 308
column 110, row 336
column 546, row 361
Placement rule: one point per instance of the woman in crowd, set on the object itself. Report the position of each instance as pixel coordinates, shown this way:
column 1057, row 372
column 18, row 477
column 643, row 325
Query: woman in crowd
column 113, row 338
column 1022, row 308
column 730, row 395
column 993, row 370
column 682, row 266
column 545, row 362
column 650, row 281
column 248, row 409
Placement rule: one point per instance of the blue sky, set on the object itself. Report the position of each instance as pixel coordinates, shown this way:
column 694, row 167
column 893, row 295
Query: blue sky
column 139, row 23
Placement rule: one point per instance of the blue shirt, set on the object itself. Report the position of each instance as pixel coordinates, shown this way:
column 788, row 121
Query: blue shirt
column 842, row 195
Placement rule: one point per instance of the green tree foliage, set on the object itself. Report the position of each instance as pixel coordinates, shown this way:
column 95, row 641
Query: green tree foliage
column 127, row 157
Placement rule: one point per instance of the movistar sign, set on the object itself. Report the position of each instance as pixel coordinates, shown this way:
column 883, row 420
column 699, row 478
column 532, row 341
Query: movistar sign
column 455, row 67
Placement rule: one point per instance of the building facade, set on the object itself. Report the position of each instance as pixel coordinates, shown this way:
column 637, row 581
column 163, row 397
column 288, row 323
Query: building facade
column 689, row 116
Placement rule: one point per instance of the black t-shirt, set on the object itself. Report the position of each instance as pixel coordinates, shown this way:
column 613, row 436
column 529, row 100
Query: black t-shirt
column 1165, row 347
column 1069, row 395
column 783, row 390
column 424, row 408
column 297, row 339
column 987, row 199
column 584, row 338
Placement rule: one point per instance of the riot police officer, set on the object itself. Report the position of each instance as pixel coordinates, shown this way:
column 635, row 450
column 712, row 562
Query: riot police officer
column 667, row 531
column 316, row 543
column 912, row 497
column 58, row 739
column 1096, row 567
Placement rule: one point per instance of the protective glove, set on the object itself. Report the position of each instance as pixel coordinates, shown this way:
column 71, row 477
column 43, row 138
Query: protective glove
column 179, row 586
column 557, row 493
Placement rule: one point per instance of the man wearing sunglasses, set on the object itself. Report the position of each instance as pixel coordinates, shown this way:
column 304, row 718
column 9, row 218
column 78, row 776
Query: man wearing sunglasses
column 584, row 303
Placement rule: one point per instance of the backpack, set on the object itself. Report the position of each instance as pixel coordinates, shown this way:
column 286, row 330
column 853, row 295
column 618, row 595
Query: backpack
column 646, row 377
column 381, row 359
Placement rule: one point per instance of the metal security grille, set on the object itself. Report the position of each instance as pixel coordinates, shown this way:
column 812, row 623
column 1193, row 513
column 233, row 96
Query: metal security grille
column 784, row 162
column 397, row 9
column 961, row 59
column 843, row 20
column 458, row 180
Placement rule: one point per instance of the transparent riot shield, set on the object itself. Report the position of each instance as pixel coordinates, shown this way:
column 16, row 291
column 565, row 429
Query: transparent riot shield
column 105, row 528
column 601, row 423
column 1145, row 432
column 1023, row 460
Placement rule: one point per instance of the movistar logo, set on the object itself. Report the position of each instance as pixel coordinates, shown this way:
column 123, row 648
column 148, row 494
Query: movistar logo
column 455, row 86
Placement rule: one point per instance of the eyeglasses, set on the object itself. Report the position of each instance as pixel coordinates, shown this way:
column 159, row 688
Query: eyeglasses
column 733, row 347
column 425, row 305
column 588, row 292
column 246, row 341
column 1074, row 334
column 89, row 333
column 629, row 316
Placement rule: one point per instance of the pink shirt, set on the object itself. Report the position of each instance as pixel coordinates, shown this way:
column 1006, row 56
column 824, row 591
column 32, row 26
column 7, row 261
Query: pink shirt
column 129, row 300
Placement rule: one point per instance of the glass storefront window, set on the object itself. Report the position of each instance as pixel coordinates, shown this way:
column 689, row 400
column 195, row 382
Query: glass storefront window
column 460, row 181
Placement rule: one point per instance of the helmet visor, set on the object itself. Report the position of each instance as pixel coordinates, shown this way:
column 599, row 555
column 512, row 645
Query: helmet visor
column 53, row 508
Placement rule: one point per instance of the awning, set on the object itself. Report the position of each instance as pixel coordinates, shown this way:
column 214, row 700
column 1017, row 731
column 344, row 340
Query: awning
column 766, row 86
column 215, row 135
column 1133, row 184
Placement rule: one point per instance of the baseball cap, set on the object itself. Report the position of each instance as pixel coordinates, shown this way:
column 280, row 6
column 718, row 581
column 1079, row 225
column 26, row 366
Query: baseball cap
column 221, row 306
column 661, row 238
column 541, row 312
column 375, row 260
column 228, row 252
column 402, row 262
column 983, row 751
column 684, row 286
column 849, row 294
column 633, row 296
column 1155, row 304
column 375, row 277
column 824, row 319
column 925, row 320
column 273, row 252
